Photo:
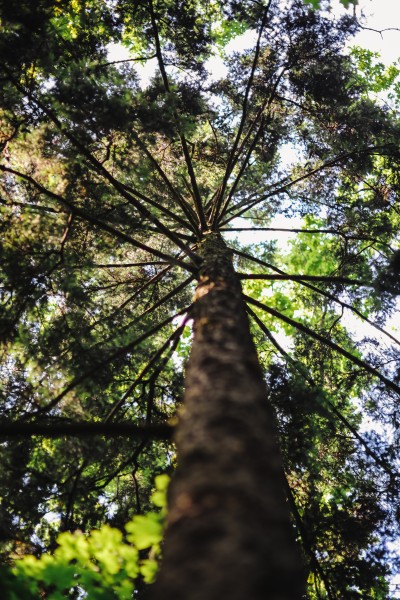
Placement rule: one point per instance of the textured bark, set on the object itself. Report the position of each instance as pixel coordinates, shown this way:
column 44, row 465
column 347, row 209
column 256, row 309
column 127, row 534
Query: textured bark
column 229, row 535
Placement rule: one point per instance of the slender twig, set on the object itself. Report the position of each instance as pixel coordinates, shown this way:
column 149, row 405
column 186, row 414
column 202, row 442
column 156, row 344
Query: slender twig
column 30, row 206
column 266, row 105
column 242, row 170
column 162, row 300
column 353, row 309
column 346, row 236
column 314, row 561
column 187, row 209
column 169, row 343
column 131, row 298
column 300, row 278
column 280, row 186
column 125, row 60
column 283, row 276
column 140, row 263
column 380, row 31
column 133, row 198
column 183, row 236
column 303, row 279
column 163, row 209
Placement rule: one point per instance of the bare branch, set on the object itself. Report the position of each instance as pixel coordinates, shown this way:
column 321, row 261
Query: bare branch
column 380, row 31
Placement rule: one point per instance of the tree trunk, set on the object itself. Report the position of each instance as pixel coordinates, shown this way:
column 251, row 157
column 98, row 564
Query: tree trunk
column 229, row 535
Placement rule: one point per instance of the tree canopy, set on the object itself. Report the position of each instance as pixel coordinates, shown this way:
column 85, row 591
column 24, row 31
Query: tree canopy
column 111, row 182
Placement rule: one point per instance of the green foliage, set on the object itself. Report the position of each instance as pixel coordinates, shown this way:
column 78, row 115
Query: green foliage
column 103, row 183
column 100, row 564
column 316, row 4
column 226, row 31
column 375, row 76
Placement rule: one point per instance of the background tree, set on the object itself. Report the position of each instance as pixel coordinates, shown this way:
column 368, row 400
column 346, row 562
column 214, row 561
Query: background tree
column 116, row 196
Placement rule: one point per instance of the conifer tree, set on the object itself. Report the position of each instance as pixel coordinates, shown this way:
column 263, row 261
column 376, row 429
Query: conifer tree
column 119, row 199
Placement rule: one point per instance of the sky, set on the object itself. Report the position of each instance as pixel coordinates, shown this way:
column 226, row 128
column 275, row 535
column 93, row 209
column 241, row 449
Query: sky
column 379, row 15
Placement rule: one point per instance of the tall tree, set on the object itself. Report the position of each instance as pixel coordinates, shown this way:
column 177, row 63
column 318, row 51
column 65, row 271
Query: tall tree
column 118, row 195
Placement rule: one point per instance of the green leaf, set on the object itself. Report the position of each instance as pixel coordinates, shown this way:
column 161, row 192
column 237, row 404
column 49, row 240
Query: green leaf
column 348, row 3
column 72, row 546
column 159, row 497
column 148, row 570
column 58, row 574
column 145, row 530
column 130, row 556
column 226, row 31
column 104, row 545
column 314, row 3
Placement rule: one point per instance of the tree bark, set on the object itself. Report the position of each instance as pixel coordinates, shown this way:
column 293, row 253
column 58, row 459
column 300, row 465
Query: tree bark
column 229, row 534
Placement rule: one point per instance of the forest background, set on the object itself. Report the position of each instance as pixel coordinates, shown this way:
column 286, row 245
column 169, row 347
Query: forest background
column 114, row 198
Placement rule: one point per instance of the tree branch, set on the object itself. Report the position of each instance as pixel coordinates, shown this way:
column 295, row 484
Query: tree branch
column 170, row 343
column 327, row 342
column 231, row 158
column 52, row 430
column 118, row 353
column 266, row 104
column 302, row 371
column 125, row 60
column 187, row 209
column 306, row 542
column 300, row 278
column 186, row 154
column 101, row 224
column 283, row 276
column 120, row 187
column 342, row 234
column 283, row 187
